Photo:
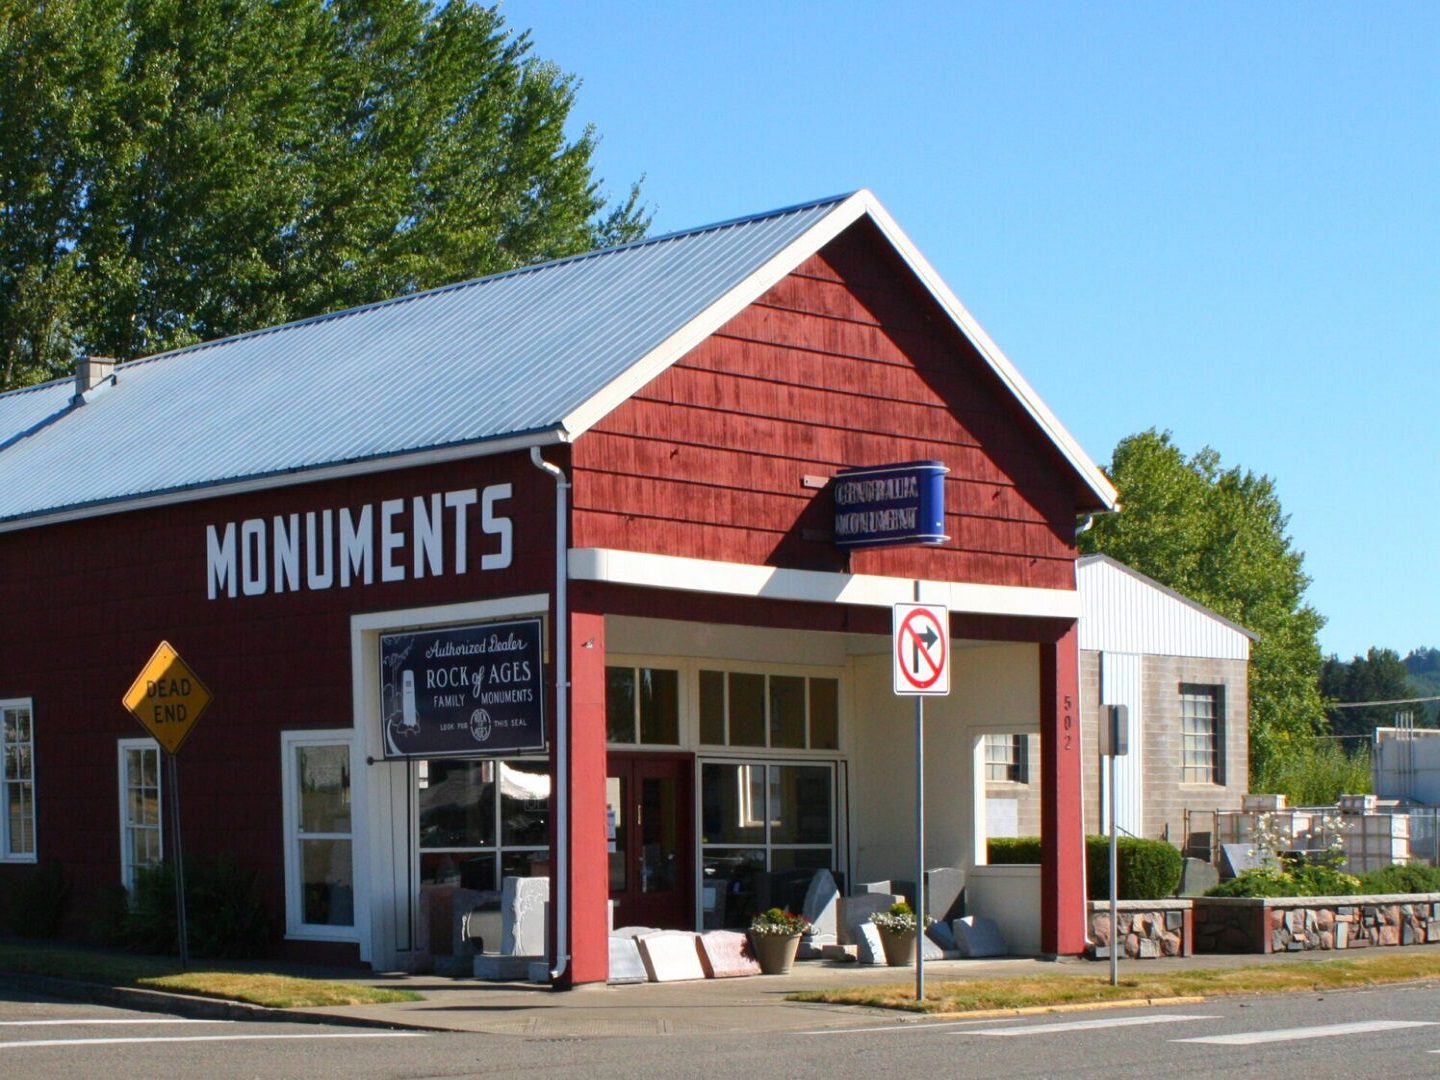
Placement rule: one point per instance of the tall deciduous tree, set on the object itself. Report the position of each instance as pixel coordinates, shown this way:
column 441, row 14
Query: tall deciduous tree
column 176, row 170
column 1218, row 536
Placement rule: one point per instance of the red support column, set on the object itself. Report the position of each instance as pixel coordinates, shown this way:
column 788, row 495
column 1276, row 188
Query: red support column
column 589, row 869
column 1062, row 818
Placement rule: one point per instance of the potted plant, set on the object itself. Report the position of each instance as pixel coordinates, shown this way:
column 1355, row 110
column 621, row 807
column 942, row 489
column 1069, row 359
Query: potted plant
column 774, row 937
column 899, row 929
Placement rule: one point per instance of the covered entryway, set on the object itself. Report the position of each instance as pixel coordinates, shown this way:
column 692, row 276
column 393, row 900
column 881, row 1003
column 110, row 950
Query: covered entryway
column 649, row 812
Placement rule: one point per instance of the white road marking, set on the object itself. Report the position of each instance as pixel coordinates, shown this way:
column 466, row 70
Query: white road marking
column 30, row 1043
column 918, row 1025
column 1359, row 1027
column 1091, row 1025
column 87, row 1021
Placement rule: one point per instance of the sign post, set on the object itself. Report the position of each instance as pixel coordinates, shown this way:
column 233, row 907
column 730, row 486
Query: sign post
column 1115, row 741
column 920, row 657
column 168, row 698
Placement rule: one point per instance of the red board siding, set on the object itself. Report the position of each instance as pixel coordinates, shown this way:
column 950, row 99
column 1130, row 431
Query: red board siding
column 845, row 362
column 87, row 602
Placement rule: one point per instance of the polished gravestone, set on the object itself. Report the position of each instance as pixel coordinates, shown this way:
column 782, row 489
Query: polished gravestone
column 822, row 901
column 976, row 936
column 725, row 954
column 670, row 955
column 523, row 905
column 625, row 963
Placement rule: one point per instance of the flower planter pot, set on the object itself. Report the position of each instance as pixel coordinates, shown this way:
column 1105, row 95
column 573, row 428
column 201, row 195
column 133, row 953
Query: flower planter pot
column 775, row 953
column 899, row 947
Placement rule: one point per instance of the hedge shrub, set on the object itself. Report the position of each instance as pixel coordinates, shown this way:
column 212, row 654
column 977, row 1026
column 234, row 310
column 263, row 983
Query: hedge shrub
column 1402, row 878
column 1148, row 870
column 32, row 901
column 224, row 917
column 1298, row 880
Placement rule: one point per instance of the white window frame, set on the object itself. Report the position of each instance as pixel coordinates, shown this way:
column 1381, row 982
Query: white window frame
column 6, row 855
column 128, row 866
column 295, row 926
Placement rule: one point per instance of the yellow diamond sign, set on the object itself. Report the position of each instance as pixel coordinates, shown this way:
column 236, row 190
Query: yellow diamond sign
column 167, row 698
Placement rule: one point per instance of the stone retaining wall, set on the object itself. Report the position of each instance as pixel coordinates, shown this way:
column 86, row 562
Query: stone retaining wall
column 1148, row 928
column 1295, row 924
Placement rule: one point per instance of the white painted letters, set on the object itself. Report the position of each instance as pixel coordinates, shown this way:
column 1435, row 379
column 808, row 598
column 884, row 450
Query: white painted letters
column 254, row 556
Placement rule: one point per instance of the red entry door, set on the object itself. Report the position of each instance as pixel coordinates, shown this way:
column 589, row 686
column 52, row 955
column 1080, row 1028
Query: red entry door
column 650, row 810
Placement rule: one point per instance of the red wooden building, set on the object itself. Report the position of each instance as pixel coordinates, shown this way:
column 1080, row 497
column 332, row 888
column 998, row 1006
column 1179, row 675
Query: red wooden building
column 276, row 504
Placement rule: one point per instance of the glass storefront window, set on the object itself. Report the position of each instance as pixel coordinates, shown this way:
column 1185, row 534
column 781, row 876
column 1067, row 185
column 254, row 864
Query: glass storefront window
column 482, row 821
column 712, row 708
column 747, row 710
column 760, row 820
column 824, row 714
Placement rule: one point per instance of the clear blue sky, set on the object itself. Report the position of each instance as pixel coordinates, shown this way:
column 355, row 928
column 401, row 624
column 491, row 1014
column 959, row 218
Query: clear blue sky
column 1219, row 219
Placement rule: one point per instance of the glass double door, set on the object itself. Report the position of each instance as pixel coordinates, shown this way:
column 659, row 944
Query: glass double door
column 650, row 836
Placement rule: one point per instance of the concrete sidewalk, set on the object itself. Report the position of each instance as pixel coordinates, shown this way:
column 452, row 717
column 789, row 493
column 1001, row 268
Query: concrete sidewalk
column 709, row 1006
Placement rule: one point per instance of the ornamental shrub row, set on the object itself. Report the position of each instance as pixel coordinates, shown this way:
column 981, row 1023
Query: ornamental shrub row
column 1147, row 870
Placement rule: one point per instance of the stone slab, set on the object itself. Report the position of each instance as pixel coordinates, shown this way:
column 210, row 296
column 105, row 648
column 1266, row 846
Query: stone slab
column 840, row 954
column 725, row 954
column 495, row 968
column 940, row 933
column 855, row 912
column 977, row 936
column 625, row 963
column 634, row 931
column 1197, row 876
column 812, row 946
column 822, row 903
column 670, row 956
column 945, row 893
column 523, row 905
column 1237, row 857
column 869, row 948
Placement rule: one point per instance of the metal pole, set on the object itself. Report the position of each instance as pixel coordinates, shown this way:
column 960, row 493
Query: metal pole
column 1114, row 871
column 179, row 856
column 919, row 849
column 919, row 840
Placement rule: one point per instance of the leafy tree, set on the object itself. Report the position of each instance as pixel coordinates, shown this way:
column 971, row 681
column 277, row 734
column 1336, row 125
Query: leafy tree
column 1218, row 536
column 176, row 170
column 1379, row 675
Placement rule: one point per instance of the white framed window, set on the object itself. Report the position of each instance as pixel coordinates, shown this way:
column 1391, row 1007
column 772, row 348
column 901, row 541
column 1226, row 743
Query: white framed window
column 321, row 823
column 142, row 837
column 1007, row 758
column 17, row 780
column 1202, row 723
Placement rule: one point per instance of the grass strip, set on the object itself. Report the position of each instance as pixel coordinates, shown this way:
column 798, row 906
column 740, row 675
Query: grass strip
column 976, row 995
column 263, row 988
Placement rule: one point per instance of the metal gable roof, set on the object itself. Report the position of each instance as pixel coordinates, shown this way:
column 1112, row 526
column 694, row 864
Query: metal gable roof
column 531, row 356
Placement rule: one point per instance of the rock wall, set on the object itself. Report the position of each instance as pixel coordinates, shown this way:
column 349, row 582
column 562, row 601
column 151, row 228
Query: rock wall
column 1148, row 929
column 1231, row 925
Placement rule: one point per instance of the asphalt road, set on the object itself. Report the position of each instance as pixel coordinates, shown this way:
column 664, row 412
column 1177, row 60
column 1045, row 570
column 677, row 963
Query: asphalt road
column 1391, row 1032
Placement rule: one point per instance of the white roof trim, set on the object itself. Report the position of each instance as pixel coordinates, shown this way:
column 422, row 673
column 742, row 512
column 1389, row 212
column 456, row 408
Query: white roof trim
column 289, row 478
column 814, row 586
column 861, row 204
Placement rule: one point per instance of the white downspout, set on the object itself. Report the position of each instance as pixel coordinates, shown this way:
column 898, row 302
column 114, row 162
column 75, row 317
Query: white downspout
column 562, row 718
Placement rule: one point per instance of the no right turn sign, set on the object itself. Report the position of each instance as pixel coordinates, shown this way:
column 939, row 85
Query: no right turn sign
column 921, row 650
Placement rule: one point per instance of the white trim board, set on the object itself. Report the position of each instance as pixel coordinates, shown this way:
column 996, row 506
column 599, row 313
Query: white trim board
column 814, row 586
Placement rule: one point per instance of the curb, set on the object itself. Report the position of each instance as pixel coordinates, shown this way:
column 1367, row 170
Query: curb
column 188, row 1005
column 1079, row 1006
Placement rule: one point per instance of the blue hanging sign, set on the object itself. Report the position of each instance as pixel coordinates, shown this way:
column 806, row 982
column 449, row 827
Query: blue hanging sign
column 463, row 691
column 890, row 505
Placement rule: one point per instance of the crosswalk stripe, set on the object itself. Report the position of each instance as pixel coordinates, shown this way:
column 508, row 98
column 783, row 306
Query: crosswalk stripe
column 28, row 1044
column 1321, row 1031
column 1091, row 1025
column 91, row 1021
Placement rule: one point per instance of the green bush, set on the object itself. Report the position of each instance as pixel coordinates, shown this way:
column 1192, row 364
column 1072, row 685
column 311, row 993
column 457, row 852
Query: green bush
column 1402, row 878
column 1009, row 850
column 1300, row 880
column 224, row 917
column 32, row 901
column 1148, row 870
